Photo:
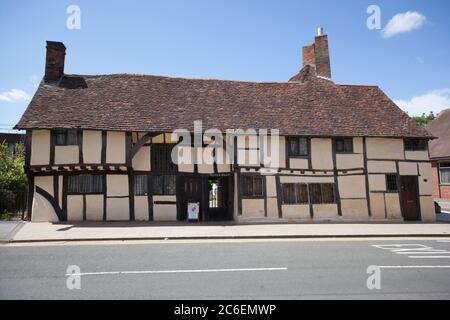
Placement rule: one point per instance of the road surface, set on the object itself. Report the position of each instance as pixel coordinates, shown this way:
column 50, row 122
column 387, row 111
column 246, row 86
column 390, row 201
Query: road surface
column 262, row 269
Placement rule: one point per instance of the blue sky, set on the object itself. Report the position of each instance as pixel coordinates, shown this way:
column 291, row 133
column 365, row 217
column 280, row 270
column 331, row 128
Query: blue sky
column 230, row 39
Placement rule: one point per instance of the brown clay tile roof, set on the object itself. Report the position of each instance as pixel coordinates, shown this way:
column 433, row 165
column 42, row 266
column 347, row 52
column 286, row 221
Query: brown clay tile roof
column 125, row 102
column 440, row 127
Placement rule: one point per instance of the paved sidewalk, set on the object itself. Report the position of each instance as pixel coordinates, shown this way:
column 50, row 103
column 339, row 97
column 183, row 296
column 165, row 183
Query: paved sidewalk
column 36, row 232
column 8, row 229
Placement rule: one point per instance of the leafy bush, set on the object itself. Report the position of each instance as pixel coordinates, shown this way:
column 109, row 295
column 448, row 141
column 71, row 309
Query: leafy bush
column 13, row 181
column 423, row 120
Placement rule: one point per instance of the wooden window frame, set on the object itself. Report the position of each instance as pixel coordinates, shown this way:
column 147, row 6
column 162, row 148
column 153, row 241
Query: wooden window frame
column 298, row 139
column 440, row 167
column 146, row 185
column 321, row 193
column 69, row 192
column 65, row 133
column 343, row 140
column 296, row 201
column 415, row 144
column 157, row 164
column 253, row 177
column 163, row 192
column 395, row 178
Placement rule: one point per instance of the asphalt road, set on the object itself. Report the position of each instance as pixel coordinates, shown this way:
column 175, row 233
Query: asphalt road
column 228, row 270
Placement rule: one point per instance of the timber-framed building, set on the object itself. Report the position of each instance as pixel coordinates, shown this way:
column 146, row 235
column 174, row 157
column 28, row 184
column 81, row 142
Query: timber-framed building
column 98, row 148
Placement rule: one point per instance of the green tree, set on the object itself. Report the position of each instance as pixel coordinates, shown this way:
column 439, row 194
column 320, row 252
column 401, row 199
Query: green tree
column 13, row 181
column 423, row 120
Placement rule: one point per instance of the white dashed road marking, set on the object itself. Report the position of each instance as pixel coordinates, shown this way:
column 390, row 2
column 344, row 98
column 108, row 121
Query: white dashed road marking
column 175, row 271
column 415, row 251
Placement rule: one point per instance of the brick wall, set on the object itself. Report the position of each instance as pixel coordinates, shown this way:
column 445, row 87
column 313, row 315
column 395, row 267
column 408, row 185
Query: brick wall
column 442, row 191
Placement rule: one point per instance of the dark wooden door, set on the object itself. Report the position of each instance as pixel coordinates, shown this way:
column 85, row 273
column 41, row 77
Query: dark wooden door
column 189, row 190
column 409, row 198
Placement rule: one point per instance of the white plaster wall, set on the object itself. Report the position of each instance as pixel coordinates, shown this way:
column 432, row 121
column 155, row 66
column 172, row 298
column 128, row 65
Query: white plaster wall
column 358, row 146
column 393, row 209
column 92, row 146
column 427, row 211
column 425, row 179
column 416, row 155
column 407, row 168
column 115, row 147
column 205, row 168
column 381, row 167
column 298, row 163
column 282, row 152
column 321, row 154
column 384, row 148
column 349, row 161
column 141, row 208
column 141, row 160
column 272, row 207
column 377, row 206
column 74, row 208
column 377, row 182
column 165, row 212
column 253, row 208
column 223, row 168
column 42, row 210
column 186, row 153
column 158, row 139
column 354, row 209
column 66, row 155
column 296, row 211
column 223, row 161
column 117, row 185
column 94, row 207
column 325, row 211
column 40, row 147
column 45, row 182
column 300, row 179
column 271, row 187
column 164, row 198
column 352, row 186
column 248, row 157
column 117, row 209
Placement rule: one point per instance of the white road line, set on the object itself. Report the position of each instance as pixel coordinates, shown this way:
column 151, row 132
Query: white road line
column 176, row 271
column 431, row 252
column 414, row 267
column 429, row 257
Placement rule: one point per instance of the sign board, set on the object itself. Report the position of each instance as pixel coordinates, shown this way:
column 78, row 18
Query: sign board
column 193, row 209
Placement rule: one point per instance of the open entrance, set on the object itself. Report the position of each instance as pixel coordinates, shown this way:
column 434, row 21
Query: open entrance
column 409, row 198
column 218, row 198
column 212, row 193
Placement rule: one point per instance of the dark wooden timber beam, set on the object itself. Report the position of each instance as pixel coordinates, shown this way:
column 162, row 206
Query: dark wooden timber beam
column 141, row 142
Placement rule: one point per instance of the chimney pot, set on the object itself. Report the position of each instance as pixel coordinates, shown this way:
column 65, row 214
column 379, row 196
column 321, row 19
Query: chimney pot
column 54, row 61
column 320, row 31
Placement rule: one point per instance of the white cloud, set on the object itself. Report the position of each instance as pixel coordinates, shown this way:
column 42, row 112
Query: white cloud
column 435, row 100
column 14, row 95
column 403, row 22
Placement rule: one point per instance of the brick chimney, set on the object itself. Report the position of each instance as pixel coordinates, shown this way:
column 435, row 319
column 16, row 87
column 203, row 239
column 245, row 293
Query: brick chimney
column 317, row 55
column 54, row 61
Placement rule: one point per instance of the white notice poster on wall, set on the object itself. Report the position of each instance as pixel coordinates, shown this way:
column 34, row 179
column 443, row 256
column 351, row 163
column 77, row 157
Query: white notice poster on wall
column 193, row 210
